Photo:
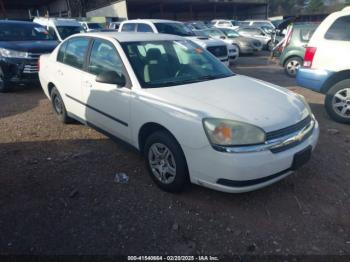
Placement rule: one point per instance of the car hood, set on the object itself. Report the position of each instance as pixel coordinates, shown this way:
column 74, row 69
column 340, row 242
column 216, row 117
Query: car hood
column 237, row 98
column 205, row 41
column 30, row 46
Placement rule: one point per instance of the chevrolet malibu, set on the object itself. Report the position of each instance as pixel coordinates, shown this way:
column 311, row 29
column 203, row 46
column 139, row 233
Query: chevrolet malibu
column 189, row 115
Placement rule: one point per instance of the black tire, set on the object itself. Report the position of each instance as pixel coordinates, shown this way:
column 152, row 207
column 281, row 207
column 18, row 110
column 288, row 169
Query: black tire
column 330, row 99
column 58, row 106
column 270, row 46
column 5, row 86
column 181, row 179
column 292, row 65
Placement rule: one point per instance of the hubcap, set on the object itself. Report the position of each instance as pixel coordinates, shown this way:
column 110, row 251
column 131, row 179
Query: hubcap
column 293, row 67
column 162, row 163
column 341, row 102
column 58, row 105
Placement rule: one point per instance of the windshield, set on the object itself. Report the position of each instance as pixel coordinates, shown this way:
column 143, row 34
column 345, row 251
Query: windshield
column 66, row 31
column 174, row 29
column 214, row 33
column 170, row 63
column 199, row 25
column 94, row 26
column 230, row 33
column 23, row 32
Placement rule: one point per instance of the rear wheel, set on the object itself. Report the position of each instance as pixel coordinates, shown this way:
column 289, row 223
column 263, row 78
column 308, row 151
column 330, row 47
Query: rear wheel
column 59, row 107
column 166, row 162
column 337, row 101
column 292, row 65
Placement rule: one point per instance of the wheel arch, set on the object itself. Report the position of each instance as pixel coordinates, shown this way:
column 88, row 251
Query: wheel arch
column 335, row 78
column 291, row 56
column 149, row 128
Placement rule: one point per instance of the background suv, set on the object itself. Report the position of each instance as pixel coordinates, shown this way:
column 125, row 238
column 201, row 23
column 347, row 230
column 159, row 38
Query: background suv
column 217, row 47
column 296, row 40
column 21, row 44
column 327, row 64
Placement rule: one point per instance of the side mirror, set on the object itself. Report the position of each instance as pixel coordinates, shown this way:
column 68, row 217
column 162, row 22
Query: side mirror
column 111, row 77
column 222, row 37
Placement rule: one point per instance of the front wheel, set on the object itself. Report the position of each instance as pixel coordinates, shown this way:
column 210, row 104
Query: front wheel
column 270, row 46
column 5, row 86
column 292, row 65
column 337, row 101
column 166, row 162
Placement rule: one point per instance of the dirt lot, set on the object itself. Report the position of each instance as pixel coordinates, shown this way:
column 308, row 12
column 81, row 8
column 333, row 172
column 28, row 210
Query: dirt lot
column 58, row 194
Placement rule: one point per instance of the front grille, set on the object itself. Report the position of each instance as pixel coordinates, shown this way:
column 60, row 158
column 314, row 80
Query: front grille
column 218, row 51
column 34, row 56
column 31, row 69
column 288, row 130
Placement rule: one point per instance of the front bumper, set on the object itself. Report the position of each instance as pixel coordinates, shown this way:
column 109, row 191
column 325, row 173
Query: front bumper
column 17, row 70
column 209, row 167
column 313, row 79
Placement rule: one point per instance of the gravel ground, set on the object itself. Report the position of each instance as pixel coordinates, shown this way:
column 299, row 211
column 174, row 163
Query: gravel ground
column 58, row 194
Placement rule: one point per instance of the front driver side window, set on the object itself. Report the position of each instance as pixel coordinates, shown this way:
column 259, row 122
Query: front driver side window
column 104, row 58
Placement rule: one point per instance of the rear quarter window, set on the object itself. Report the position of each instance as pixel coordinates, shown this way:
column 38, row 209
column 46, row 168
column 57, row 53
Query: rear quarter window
column 128, row 28
column 306, row 34
column 340, row 29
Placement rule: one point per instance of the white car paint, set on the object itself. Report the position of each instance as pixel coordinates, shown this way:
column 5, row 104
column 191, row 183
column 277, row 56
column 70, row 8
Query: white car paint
column 221, row 23
column 204, row 42
column 52, row 23
column 328, row 49
column 181, row 110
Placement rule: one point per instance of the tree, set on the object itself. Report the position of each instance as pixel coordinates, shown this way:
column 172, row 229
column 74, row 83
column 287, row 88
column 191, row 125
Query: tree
column 315, row 6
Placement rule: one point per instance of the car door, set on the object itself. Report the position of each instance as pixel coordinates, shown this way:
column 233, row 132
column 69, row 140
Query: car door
column 68, row 73
column 107, row 105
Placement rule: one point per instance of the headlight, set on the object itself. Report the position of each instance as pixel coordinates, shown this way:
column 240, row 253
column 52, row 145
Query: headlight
column 306, row 103
column 12, row 53
column 224, row 132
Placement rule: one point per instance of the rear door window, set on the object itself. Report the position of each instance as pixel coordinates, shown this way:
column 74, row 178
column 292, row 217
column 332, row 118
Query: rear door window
column 340, row 30
column 128, row 27
column 144, row 28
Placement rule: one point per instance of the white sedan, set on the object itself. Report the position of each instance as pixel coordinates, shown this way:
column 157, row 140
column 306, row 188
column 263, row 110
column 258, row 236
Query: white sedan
column 192, row 118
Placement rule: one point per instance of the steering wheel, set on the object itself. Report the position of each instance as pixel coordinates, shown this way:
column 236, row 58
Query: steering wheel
column 184, row 70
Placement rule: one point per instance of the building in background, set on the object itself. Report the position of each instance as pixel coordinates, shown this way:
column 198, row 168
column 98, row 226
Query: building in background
column 131, row 9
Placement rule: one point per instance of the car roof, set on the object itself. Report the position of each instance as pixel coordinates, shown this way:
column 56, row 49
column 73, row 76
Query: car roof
column 17, row 22
column 134, row 37
column 152, row 21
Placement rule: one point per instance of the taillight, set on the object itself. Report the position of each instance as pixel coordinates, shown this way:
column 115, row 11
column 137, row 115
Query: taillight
column 309, row 56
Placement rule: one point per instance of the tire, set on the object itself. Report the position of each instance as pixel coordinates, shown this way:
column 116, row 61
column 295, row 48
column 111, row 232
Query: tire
column 58, row 106
column 292, row 65
column 339, row 94
column 169, row 161
column 5, row 86
column 270, row 45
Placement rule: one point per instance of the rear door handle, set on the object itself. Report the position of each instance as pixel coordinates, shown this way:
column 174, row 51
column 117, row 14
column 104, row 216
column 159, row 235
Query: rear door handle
column 59, row 72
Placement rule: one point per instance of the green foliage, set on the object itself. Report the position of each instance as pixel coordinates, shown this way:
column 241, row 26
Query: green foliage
column 315, row 6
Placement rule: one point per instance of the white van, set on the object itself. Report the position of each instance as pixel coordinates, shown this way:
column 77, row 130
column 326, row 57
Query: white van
column 326, row 66
column 61, row 28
